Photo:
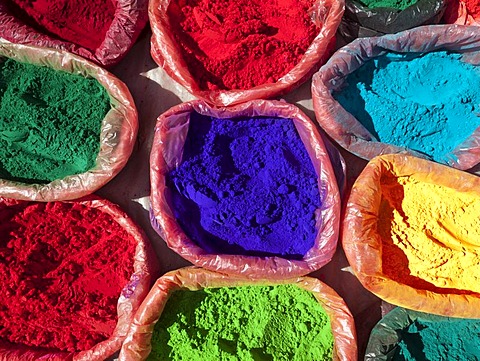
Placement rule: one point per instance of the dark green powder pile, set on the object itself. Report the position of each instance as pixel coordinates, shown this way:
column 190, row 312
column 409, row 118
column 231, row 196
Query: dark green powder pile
column 243, row 323
column 50, row 122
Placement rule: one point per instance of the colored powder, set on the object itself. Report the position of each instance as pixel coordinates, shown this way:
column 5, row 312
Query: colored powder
column 82, row 22
column 62, row 269
column 239, row 44
column 50, row 122
column 243, row 323
column 446, row 339
column 473, row 8
column 416, row 100
column 430, row 235
column 394, row 4
column 246, row 186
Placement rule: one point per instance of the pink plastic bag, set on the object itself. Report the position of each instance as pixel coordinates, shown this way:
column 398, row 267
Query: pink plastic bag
column 117, row 135
column 170, row 133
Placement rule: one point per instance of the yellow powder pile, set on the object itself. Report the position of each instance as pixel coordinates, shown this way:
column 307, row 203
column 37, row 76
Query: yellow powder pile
column 430, row 235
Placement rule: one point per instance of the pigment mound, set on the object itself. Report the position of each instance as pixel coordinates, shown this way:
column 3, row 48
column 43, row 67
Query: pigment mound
column 473, row 8
column 81, row 22
column 394, row 4
column 243, row 43
column 62, row 269
column 416, row 101
column 50, row 122
column 243, row 323
column 246, row 186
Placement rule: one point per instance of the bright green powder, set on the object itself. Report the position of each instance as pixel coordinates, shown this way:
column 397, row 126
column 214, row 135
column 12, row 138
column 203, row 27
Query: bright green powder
column 243, row 323
column 50, row 122
column 395, row 4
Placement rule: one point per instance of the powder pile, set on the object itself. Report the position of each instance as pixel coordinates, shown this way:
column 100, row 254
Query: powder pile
column 50, row 122
column 473, row 8
column 395, row 4
column 246, row 186
column 416, row 100
column 430, row 235
column 243, row 323
column 62, row 269
column 446, row 339
column 82, row 22
column 239, row 44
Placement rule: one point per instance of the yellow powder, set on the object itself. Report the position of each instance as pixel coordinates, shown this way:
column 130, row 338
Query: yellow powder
column 430, row 235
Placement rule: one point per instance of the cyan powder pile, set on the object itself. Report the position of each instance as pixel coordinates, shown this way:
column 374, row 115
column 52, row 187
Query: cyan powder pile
column 426, row 102
column 243, row 323
column 50, row 122
column 246, row 186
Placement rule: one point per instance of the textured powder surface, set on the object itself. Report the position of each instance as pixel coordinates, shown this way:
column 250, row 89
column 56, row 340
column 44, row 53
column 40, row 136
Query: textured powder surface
column 82, row 22
column 473, row 8
column 243, row 43
column 416, row 101
column 50, row 122
column 446, row 339
column 395, row 4
column 246, row 186
column 243, row 323
column 430, row 235
column 62, row 269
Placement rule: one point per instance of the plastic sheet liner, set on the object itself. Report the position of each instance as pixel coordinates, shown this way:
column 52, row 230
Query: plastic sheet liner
column 346, row 130
column 131, row 16
column 117, row 136
column 363, row 245
column 360, row 21
column 170, row 134
column 326, row 14
column 145, row 269
column 457, row 13
column 137, row 344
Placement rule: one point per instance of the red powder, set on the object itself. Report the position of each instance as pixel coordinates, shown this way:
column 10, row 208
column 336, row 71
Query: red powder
column 473, row 8
column 62, row 269
column 82, row 22
column 239, row 44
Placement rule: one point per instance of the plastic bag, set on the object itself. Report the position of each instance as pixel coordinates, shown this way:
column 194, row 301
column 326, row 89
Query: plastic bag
column 145, row 269
column 137, row 344
column 131, row 16
column 166, row 53
column 117, row 135
column 360, row 21
column 170, row 133
column 363, row 245
column 346, row 130
column 457, row 13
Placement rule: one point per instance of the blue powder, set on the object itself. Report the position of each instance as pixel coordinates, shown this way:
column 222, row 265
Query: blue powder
column 246, row 186
column 426, row 102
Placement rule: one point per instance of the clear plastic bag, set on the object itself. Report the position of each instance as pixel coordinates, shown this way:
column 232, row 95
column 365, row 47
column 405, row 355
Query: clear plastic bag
column 457, row 13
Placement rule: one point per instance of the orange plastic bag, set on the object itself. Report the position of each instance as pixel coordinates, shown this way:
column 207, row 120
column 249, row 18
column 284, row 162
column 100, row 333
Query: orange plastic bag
column 346, row 130
column 117, row 136
column 145, row 268
column 457, row 13
column 170, row 133
column 166, row 53
column 137, row 344
column 130, row 18
column 363, row 244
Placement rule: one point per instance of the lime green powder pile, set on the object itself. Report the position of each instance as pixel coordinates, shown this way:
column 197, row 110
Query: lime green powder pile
column 243, row 323
column 50, row 122
column 395, row 4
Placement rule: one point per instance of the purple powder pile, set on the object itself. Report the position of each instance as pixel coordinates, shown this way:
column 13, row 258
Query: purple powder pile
column 246, row 186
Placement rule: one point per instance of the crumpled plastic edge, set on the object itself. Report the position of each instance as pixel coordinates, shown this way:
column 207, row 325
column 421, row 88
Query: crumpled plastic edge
column 166, row 154
column 131, row 16
column 145, row 269
column 363, row 245
column 457, row 13
column 166, row 53
column 346, row 130
column 137, row 344
column 117, row 136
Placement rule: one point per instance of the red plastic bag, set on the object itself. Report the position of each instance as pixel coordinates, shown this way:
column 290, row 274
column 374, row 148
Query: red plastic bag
column 170, row 133
column 137, row 344
column 130, row 18
column 326, row 14
column 145, row 268
column 117, row 136
column 457, row 13
column 346, row 130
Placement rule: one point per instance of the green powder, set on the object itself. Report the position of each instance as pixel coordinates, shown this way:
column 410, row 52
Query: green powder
column 50, row 122
column 395, row 4
column 243, row 323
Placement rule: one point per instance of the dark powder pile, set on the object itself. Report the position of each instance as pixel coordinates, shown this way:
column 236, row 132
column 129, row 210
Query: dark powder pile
column 246, row 186
column 50, row 122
